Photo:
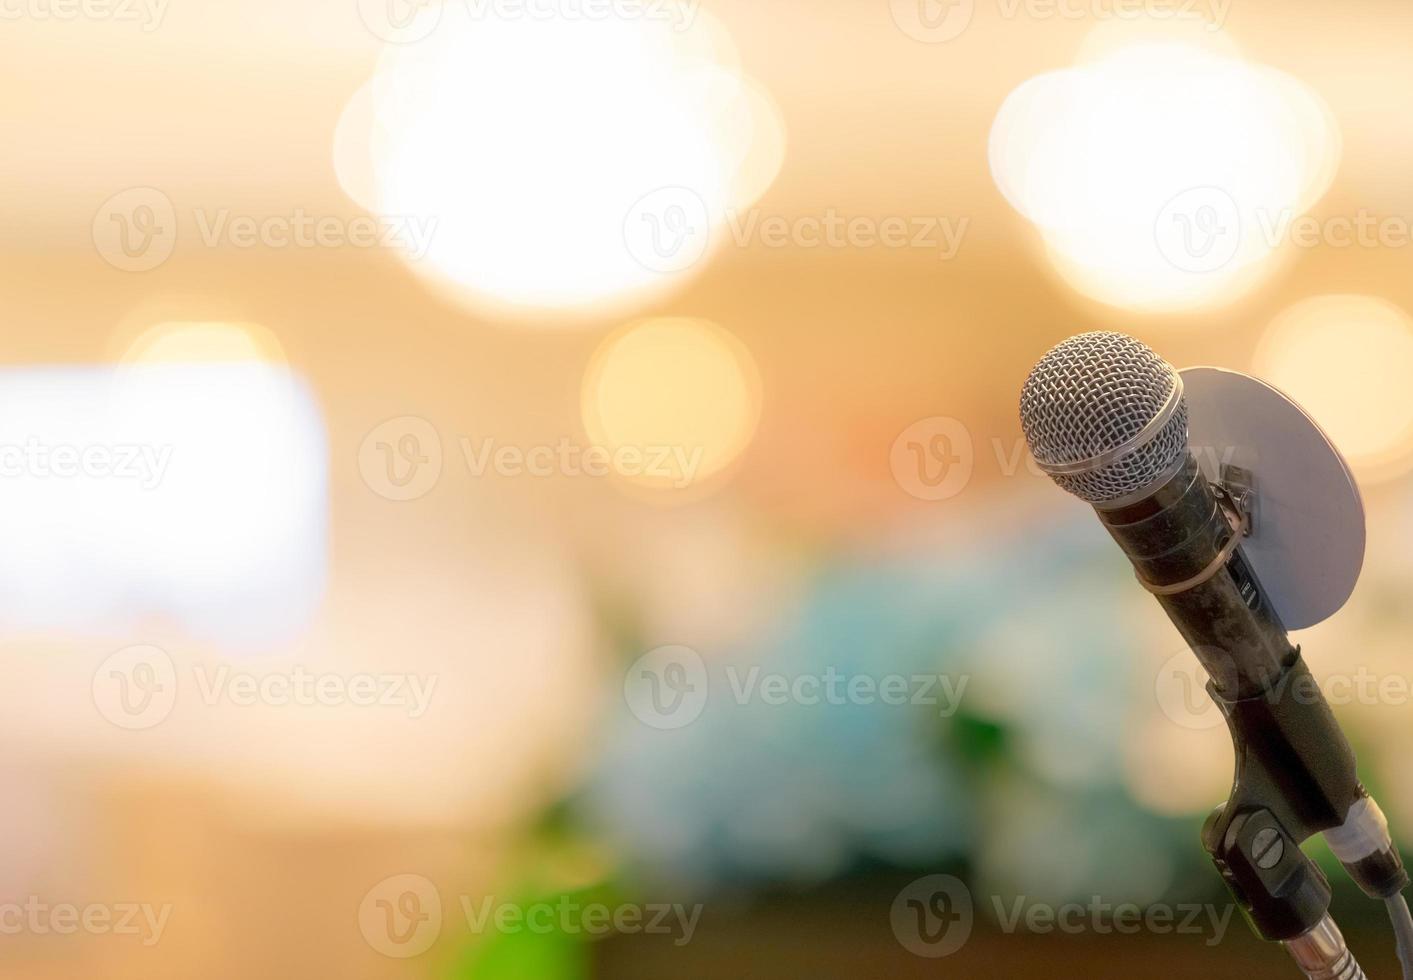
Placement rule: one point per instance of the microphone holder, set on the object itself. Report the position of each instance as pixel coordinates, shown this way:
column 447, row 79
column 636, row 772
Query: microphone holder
column 1295, row 777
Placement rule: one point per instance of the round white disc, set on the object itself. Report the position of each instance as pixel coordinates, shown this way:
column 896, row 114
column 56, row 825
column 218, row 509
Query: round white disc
column 1308, row 544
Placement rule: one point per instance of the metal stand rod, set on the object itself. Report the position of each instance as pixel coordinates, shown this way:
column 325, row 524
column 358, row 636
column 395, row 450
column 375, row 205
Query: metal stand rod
column 1322, row 954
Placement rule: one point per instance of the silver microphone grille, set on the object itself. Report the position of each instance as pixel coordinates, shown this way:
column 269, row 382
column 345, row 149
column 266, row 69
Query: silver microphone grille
column 1104, row 416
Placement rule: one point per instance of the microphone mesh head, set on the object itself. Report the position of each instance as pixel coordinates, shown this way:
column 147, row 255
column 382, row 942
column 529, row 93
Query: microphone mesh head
column 1091, row 395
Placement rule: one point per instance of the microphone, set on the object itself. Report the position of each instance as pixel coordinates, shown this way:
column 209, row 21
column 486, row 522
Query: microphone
column 1105, row 417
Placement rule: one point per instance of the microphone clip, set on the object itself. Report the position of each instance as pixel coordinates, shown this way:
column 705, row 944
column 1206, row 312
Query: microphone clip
column 1235, row 487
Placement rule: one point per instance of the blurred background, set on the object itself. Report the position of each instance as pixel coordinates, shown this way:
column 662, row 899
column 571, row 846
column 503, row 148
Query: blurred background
column 507, row 489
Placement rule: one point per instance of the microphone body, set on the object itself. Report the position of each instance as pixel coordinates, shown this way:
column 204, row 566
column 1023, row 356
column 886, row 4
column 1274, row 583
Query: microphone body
column 1172, row 536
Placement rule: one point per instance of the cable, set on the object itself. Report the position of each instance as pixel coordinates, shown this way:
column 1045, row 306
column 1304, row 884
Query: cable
column 1403, row 930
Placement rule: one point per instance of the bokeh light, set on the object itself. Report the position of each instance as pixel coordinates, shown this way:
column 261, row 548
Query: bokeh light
column 198, row 496
column 673, row 402
column 1161, row 174
column 549, row 195
column 1347, row 360
column 203, row 342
